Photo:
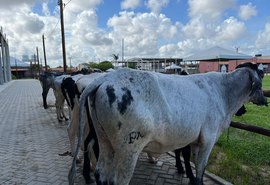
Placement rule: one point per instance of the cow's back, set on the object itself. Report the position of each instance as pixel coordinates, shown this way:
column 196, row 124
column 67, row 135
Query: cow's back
column 151, row 105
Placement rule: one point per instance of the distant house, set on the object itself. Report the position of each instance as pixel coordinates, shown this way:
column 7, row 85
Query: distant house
column 218, row 59
column 83, row 65
column 61, row 70
column 152, row 64
column 264, row 60
column 19, row 69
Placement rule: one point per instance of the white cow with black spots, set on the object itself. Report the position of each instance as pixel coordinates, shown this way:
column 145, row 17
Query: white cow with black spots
column 59, row 97
column 135, row 111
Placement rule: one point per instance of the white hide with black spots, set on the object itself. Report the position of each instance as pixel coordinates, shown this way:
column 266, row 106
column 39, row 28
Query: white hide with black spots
column 73, row 128
column 59, row 97
column 135, row 111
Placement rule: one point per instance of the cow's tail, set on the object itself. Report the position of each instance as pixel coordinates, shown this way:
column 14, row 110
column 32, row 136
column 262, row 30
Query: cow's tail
column 90, row 91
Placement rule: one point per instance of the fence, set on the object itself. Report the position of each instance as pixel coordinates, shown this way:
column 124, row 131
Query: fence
column 253, row 128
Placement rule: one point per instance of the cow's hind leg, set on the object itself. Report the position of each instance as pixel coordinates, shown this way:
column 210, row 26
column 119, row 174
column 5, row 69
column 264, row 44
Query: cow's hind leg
column 62, row 110
column 186, row 151
column 116, row 163
column 119, row 171
column 86, row 162
column 72, row 136
column 44, row 98
column 58, row 112
column 178, row 164
column 103, row 169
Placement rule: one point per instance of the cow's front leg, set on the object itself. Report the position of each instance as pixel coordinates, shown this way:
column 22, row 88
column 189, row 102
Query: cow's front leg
column 204, row 151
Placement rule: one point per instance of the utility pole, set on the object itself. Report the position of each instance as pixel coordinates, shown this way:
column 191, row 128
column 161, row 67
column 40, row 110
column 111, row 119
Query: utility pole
column 41, row 64
column 38, row 62
column 70, row 64
column 60, row 3
column 44, row 51
column 35, row 65
column 16, row 69
column 31, row 68
column 237, row 49
column 123, row 51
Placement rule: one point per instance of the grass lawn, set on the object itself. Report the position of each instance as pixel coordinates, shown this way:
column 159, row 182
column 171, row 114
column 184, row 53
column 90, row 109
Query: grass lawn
column 242, row 157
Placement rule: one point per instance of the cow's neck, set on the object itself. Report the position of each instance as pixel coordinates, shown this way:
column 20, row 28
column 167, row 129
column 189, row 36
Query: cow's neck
column 238, row 87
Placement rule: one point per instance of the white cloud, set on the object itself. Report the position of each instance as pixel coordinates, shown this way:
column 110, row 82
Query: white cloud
column 132, row 4
column 247, row 11
column 142, row 32
column 200, row 34
column 263, row 38
column 231, row 29
column 156, row 6
column 15, row 4
column 145, row 34
column 169, row 50
column 21, row 26
column 45, row 9
column 76, row 7
column 208, row 9
column 196, row 28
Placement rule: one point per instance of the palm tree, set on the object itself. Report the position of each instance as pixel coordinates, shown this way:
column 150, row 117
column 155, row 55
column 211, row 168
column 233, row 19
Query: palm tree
column 115, row 58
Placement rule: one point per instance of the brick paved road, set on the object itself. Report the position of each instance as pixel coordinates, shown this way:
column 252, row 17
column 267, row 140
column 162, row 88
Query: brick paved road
column 31, row 139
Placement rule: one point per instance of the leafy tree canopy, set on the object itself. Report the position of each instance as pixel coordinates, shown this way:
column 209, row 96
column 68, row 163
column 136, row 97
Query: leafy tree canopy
column 103, row 66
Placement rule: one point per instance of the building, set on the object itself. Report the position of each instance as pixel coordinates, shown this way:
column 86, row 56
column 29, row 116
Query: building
column 19, row 69
column 264, row 60
column 150, row 64
column 217, row 59
column 224, row 60
column 5, row 73
column 83, row 65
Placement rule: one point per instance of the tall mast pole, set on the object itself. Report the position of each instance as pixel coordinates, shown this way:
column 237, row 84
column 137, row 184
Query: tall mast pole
column 60, row 3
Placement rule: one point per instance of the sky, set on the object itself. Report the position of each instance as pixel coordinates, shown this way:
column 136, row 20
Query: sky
column 95, row 29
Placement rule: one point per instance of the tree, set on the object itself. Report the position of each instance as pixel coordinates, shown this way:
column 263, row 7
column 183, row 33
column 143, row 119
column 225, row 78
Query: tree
column 93, row 65
column 105, row 65
column 132, row 65
column 115, row 58
column 34, row 69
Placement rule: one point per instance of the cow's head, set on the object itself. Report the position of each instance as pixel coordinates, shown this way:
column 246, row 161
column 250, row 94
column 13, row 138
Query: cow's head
column 256, row 75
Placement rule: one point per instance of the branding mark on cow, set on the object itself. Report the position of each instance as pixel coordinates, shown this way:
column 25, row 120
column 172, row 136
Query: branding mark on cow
column 132, row 137
column 126, row 100
column 111, row 95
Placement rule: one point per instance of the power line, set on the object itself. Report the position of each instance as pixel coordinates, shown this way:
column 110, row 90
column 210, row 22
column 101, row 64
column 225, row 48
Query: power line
column 65, row 4
column 54, row 27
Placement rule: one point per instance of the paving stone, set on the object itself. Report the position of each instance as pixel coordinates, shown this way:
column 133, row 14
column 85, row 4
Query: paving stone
column 31, row 139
